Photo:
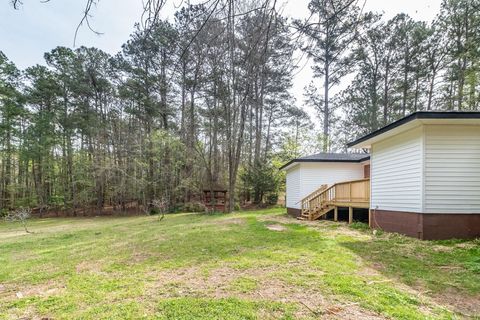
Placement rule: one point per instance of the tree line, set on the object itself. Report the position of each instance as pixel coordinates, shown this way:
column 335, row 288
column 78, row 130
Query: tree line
column 398, row 66
column 204, row 101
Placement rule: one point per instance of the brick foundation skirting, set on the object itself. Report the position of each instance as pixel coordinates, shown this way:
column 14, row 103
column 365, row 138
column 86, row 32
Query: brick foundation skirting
column 427, row 226
column 294, row 212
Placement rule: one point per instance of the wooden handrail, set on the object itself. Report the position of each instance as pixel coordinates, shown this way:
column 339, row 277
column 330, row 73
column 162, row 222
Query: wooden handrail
column 353, row 191
column 314, row 193
column 357, row 191
column 351, row 181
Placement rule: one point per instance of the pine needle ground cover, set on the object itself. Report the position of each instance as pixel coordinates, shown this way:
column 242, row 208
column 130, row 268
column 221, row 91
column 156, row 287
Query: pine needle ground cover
column 246, row 265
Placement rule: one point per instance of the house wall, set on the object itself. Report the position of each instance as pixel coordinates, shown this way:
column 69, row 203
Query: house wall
column 452, row 169
column 397, row 172
column 314, row 174
column 307, row 177
column 293, row 187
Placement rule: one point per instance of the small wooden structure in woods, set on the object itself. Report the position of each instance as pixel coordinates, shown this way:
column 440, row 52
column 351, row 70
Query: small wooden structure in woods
column 215, row 199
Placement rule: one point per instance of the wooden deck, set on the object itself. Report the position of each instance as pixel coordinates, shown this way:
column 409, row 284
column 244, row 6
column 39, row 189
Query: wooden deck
column 348, row 194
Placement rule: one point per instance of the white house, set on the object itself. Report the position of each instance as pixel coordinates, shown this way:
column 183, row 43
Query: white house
column 305, row 175
column 425, row 175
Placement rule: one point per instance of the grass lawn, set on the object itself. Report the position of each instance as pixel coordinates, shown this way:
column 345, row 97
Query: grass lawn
column 247, row 265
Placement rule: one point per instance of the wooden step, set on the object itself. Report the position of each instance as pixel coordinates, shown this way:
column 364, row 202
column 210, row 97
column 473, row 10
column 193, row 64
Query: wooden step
column 316, row 212
column 323, row 212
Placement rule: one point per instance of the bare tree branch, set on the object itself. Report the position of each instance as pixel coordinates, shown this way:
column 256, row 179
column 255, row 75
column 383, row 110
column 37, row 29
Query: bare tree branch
column 85, row 19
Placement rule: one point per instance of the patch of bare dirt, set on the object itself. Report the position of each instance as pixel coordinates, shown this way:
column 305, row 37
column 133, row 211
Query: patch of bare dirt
column 276, row 227
column 469, row 306
column 468, row 245
column 191, row 281
column 350, row 311
column 14, row 233
column 311, row 302
column 217, row 284
column 230, row 221
column 138, row 257
column 29, row 313
column 94, row 267
column 343, row 230
column 440, row 248
column 326, row 227
column 285, row 219
column 47, row 289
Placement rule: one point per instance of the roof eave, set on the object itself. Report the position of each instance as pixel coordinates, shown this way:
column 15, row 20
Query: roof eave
column 412, row 121
column 288, row 165
column 296, row 161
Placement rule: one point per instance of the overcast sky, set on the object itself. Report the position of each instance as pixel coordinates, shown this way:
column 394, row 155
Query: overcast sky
column 26, row 34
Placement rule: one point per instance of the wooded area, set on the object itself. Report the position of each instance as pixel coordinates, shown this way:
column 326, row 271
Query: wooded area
column 205, row 100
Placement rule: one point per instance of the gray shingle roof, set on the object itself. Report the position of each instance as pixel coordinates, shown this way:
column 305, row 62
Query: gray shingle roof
column 323, row 156
column 331, row 157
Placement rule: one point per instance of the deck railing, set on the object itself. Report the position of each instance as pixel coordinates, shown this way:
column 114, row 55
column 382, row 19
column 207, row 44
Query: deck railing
column 347, row 193
column 313, row 199
column 354, row 191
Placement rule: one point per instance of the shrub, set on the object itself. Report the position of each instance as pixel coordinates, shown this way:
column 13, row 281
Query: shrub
column 4, row 212
column 194, row 207
column 272, row 199
column 153, row 211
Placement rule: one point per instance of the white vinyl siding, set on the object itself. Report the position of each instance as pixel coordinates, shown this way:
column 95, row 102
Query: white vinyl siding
column 452, row 169
column 293, row 187
column 314, row 174
column 305, row 178
column 397, row 172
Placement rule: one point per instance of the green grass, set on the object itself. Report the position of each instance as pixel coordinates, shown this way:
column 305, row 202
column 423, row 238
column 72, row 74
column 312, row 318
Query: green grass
column 230, row 266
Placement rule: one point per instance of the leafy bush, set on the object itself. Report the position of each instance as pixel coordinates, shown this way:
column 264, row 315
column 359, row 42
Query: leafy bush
column 4, row 212
column 272, row 198
column 153, row 211
column 261, row 179
column 56, row 201
column 194, row 207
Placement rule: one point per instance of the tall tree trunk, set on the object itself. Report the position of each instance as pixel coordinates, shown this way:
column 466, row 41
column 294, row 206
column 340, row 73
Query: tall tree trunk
column 326, row 109
column 386, row 94
column 430, row 91
column 417, row 89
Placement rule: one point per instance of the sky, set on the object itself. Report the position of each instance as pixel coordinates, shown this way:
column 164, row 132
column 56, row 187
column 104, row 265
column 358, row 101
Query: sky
column 26, row 34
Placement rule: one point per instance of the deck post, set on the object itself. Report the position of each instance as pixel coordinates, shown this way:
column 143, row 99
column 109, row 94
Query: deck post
column 350, row 215
column 335, row 214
